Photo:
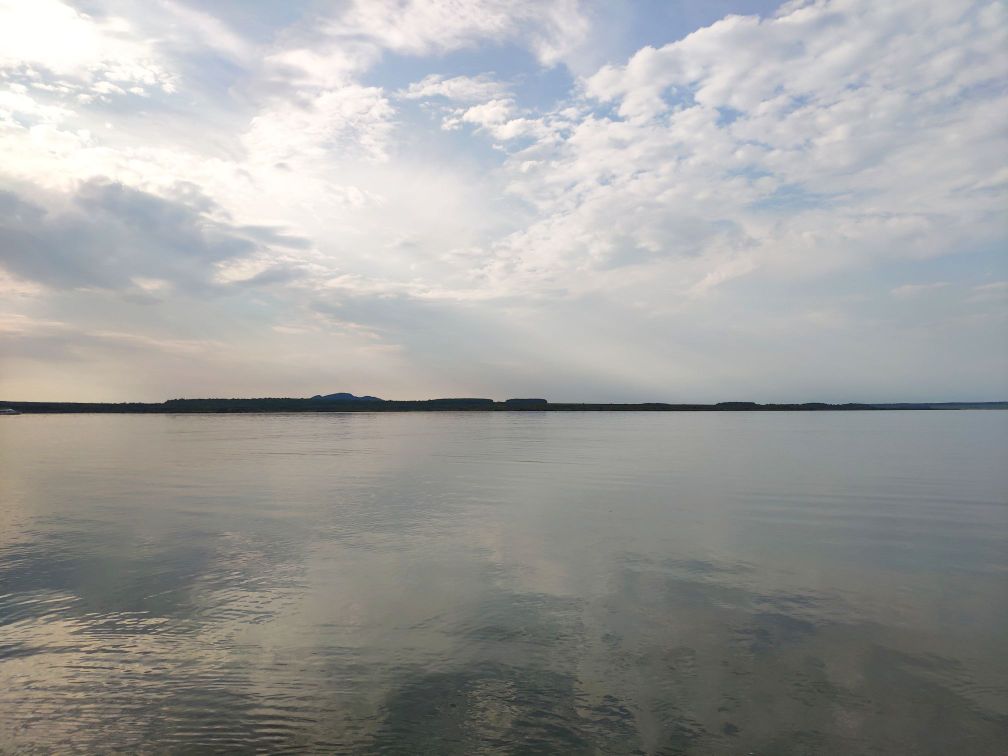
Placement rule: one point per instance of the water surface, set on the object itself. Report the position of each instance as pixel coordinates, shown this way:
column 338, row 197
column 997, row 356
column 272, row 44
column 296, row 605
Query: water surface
column 580, row 583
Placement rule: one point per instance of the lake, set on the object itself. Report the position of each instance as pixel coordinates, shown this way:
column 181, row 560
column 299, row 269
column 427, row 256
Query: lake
column 711, row 582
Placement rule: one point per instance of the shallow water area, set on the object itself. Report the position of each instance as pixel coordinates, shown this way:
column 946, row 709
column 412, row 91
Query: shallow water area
column 819, row 582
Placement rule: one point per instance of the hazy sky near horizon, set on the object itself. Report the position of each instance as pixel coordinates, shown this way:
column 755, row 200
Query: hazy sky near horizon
column 597, row 200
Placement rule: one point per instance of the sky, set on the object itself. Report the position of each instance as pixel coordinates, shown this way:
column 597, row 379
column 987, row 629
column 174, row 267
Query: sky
column 585, row 201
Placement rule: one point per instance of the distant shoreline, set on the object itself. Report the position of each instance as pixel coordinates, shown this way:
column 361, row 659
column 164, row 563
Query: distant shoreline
column 250, row 406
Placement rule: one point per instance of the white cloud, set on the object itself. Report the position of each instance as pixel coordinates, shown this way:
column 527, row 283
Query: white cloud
column 801, row 143
column 913, row 290
column 335, row 47
column 18, row 109
column 457, row 88
column 421, row 27
column 47, row 36
column 995, row 292
column 351, row 122
column 181, row 28
column 492, row 113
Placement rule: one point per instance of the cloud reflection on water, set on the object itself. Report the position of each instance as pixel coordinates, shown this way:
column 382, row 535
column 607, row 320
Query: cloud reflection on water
column 458, row 584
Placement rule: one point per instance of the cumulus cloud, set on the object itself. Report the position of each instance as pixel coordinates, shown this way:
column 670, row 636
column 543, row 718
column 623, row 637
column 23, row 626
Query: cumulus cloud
column 456, row 88
column 493, row 113
column 835, row 134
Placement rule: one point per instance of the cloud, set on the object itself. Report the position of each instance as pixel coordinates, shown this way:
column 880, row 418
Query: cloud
column 913, row 290
column 78, row 52
column 422, row 27
column 457, row 88
column 685, row 209
column 833, row 135
column 349, row 122
column 322, row 62
column 493, row 113
column 336, row 46
column 995, row 292
column 24, row 334
column 108, row 236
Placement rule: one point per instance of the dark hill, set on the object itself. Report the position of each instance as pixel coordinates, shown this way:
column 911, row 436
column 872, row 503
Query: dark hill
column 345, row 397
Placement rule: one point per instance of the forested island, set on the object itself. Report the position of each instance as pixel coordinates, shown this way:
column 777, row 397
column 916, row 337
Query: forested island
column 351, row 403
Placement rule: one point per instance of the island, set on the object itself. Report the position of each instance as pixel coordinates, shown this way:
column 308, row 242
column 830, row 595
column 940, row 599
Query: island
column 345, row 402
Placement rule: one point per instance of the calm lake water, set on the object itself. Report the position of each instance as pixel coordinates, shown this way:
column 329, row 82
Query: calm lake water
column 770, row 583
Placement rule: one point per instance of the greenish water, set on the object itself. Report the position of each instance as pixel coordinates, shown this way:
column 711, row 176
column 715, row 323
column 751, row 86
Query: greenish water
column 701, row 583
